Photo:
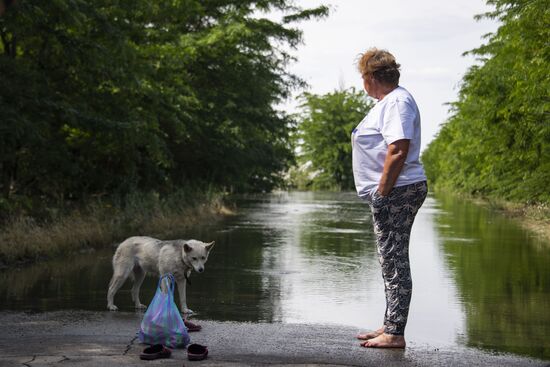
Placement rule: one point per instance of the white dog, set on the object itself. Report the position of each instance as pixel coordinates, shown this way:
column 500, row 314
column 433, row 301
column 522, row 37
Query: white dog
column 138, row 256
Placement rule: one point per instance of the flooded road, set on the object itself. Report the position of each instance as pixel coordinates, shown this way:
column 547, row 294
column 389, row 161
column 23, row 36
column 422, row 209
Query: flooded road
column 479, row 280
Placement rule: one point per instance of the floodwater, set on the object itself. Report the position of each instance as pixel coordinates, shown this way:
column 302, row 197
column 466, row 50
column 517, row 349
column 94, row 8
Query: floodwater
column 479, row 279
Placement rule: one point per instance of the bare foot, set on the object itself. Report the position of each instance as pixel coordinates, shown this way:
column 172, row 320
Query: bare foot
column 371, row 335
column 385, row 341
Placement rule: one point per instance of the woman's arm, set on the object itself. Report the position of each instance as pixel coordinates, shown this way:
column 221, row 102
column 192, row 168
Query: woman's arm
column 393, row 164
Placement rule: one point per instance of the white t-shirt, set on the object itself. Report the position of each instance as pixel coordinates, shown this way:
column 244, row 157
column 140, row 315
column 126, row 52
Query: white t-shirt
column 393, row 118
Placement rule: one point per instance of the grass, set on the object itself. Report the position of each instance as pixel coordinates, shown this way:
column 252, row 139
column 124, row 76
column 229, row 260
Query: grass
column 100, row 224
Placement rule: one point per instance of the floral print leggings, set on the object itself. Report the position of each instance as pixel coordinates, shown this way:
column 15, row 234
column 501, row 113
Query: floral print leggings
column 393, row 216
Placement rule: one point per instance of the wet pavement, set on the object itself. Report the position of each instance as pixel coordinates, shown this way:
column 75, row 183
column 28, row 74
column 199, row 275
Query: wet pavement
column 83, row 338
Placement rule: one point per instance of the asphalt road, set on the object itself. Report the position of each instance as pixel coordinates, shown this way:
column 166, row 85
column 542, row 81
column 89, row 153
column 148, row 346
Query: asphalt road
column 74, row 338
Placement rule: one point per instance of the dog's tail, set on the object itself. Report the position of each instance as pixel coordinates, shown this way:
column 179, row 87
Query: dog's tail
column 129, row 274
column 118, row 264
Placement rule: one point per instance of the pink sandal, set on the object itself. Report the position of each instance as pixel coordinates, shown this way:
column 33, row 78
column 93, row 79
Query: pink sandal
column 192, row 327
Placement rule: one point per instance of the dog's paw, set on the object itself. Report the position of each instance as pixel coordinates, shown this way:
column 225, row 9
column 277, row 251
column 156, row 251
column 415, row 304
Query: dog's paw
column 112, row 308
column 141, row 307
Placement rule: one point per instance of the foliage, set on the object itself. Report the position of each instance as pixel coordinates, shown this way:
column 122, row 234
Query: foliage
column 497, row 142
column 324, row 131
column 103, row 97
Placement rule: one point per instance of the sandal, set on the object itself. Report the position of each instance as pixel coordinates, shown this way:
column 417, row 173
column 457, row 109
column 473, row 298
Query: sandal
column 192, row 327
column 155, row 352
column 197, row 352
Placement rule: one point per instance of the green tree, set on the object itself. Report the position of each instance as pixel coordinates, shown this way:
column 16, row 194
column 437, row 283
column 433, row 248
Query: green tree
column 497, row 142
column 110, row 97
column 324, row 133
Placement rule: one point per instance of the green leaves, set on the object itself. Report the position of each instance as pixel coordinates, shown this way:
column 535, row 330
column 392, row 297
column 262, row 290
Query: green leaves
column 307, row 14
column 107, row 97
column 324, row 131
column 496, row 143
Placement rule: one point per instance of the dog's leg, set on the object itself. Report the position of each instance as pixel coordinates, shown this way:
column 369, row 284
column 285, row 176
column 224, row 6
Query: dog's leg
column 182, row 283
column 121, row 271
column 139, row 275
column 116, row 282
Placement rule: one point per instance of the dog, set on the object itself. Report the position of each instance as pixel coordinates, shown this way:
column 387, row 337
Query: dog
column 137, row 256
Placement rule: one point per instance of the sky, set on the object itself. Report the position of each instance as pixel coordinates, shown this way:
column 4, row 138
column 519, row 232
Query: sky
column 427, row 37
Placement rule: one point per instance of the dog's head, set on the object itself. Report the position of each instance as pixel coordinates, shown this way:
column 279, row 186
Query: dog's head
column 196, row 253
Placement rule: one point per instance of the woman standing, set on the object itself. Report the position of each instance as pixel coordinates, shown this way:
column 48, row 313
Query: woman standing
column 389, row 176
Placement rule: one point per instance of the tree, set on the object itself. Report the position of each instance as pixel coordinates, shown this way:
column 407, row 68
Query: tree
column 497, row 142
column 104, row 98
column 324, row 131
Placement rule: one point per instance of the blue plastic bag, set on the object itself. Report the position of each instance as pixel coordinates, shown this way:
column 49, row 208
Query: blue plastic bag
column 162, row 322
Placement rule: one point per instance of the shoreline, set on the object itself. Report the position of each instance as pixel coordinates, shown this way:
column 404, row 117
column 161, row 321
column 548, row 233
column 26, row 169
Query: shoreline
column 533, row 217
column 24, row 241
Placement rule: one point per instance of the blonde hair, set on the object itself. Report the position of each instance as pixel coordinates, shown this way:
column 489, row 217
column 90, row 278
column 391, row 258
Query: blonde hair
column 380, row 64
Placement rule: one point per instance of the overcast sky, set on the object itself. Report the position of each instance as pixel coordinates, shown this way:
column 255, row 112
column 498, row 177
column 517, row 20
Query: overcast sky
column 427, row 37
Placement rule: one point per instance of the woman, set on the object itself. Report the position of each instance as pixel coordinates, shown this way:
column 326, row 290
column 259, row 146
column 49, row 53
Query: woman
column 389, row 176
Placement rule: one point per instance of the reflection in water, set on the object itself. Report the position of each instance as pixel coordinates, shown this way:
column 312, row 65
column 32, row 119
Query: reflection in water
column 503, row 276
column 311, row 258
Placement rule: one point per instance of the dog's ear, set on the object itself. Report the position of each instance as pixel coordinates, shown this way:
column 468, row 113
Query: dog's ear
column 209, row 246
column 187, row 248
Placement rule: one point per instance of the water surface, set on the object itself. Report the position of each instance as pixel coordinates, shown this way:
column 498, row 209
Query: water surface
column 479, row 279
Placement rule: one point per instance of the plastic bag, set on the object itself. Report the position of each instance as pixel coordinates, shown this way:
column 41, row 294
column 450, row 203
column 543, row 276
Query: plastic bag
column 162, row 322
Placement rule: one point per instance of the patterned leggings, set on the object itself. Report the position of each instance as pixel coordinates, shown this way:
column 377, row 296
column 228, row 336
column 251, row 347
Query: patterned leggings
column 393, row 216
